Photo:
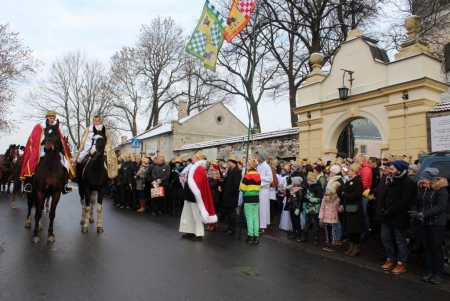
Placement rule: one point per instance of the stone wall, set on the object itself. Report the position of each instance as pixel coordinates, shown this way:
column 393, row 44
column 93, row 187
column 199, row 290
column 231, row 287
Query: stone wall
column 278, row 147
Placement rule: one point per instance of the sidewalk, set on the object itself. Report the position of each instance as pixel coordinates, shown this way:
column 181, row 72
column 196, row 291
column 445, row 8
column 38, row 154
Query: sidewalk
column 368, row 256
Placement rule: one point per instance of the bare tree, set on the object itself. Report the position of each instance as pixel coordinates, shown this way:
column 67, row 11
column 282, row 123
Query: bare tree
column 298, row 29
column 16, row 66
column 128, row 87
column 77, row 89
column 435, row 15
column 160, row 53
column 196, row 87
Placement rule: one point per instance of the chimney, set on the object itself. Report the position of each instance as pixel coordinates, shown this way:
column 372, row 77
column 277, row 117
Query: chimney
column 182, row 110
column 124, row 139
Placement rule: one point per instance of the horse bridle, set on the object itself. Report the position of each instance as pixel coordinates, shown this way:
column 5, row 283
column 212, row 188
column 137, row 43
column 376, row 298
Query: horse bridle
column 94, row 143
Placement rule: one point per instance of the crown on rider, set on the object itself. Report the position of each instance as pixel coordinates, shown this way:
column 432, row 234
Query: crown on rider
column 50, row 113
column 97, row 118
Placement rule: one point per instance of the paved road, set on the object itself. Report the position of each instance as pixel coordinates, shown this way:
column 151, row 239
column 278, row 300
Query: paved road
column 140, row 257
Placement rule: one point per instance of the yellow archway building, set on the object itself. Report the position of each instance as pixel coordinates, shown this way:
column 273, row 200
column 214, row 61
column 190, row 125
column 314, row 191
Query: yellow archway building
column 395, row 95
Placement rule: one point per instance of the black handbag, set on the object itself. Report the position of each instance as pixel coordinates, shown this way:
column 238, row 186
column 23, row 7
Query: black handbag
column 351, row 208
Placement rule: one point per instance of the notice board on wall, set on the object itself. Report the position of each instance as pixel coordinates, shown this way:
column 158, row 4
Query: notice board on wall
column 440, row 133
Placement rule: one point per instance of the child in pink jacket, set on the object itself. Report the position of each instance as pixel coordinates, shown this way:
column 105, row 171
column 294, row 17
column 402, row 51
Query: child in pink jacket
column 328, row 215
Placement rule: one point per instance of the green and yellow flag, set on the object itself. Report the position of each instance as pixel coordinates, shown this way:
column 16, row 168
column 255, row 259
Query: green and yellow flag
column 207, row 39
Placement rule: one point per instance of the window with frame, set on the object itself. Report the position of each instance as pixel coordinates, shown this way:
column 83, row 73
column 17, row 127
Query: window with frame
column 447, row 57
column 363, row 149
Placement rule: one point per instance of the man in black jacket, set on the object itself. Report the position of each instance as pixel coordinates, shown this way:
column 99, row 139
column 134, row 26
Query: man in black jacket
column 395, row 217
column 230, row 195
column 126, row 181
column 160, row 174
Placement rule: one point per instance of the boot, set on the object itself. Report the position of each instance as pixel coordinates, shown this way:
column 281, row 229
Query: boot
column 216, row 225
column 326, row 247
column 249, row 239
column 355, row 251
column 28, row 187
column 293, row 236
column 255, row 240
column 143, row 203
column 350, row 249
column 66, row 188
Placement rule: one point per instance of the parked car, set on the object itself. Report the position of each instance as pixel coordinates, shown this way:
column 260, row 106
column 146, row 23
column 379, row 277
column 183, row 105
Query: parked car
column 441, row 161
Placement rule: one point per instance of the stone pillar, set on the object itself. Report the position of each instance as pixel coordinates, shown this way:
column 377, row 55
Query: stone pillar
column 413, row 45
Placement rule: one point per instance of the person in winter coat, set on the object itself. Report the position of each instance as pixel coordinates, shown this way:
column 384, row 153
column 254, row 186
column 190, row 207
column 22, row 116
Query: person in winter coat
column 213, row 176
column 140, row 184
column 312, row 197
column 176, row 189
column 429, row 207
column 230, row 193
column 395, row 218
column 366, row 177
column 160, row 174
column 353, row 219
column 250, row 185
column 295, row 206
column 125, row 179
column 328, row 215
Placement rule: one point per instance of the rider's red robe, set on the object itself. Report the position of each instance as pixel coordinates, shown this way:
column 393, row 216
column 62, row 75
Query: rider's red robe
column 32, row 153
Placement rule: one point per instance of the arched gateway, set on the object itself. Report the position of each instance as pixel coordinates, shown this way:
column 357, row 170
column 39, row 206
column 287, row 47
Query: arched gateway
column 394, row 95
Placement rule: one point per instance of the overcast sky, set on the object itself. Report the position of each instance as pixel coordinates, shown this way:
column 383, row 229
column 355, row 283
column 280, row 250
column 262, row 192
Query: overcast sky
column 52, row 28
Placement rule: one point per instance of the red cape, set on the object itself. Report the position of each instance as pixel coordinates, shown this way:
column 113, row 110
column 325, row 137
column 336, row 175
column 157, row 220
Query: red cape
column 198, row 183
column 32, row 152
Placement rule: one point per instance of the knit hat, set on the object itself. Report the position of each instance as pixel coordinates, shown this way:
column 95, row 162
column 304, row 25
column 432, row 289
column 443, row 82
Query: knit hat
column 333, row 186
column 400, row 165
column 430, row 174
column 297, row 180
column 335, row 169
column 297, row 165
column 414, row 167
column 318, row 168
column 355, row 167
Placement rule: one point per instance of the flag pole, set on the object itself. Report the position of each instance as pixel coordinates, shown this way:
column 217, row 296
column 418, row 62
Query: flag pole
column 252, row 73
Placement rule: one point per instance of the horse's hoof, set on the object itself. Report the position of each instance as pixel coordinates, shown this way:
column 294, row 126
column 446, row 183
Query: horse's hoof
column 91, row 220
column 13, row 207
column 99, row 229
column 40, row 229
column 28, row 225
column 47, row 209
column 35, row 239
column 84, row 229
column 51, row 238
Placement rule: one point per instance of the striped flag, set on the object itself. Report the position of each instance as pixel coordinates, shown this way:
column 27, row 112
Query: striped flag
column 238, row 17
column 207, row 39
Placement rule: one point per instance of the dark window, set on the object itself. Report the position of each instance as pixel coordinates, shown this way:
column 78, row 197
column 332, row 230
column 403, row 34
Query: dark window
column 444, row 168
column 363, row 149
column 447, row 57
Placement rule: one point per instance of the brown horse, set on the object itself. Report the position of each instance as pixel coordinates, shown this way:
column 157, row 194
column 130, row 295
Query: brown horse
column 17, row 167
column 48, row 180
column 6, row 168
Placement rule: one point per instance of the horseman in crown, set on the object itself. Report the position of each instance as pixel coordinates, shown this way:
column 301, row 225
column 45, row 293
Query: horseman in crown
column 86, row 144
column 34, row 150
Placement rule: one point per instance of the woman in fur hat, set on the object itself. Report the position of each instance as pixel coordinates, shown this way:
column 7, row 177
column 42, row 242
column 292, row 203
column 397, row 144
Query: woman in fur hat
column 429, row 207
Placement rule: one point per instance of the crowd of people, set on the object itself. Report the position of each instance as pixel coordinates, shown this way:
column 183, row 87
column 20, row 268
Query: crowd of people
column 350, row 198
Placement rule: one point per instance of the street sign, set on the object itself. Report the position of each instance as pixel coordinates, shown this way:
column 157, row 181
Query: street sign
column 135, row 143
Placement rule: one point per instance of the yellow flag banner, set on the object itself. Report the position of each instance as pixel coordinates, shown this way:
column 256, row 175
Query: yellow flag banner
column 239, row 16
column 207, row 39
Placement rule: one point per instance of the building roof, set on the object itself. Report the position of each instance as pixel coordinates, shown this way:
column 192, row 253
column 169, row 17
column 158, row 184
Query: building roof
column 155, row 131
column 441, row 107
column 237, row 139
column 365, row 129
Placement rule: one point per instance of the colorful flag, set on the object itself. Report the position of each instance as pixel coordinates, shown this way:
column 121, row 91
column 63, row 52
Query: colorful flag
column 207, row 39
column 238, row 17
